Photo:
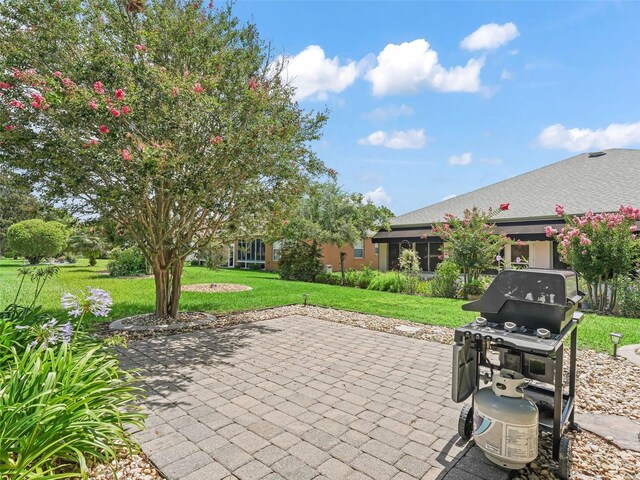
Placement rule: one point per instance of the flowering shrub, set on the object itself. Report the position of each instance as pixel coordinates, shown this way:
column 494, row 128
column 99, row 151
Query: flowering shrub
column 470, row 241
column 601, row 247
column 127, row 262
column 168, row 119
column 63, row 398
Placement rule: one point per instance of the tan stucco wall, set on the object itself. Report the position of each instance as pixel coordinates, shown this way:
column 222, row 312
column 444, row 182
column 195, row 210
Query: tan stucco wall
column 331, row 256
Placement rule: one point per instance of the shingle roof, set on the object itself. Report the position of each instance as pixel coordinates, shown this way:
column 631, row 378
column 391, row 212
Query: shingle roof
column 580, row 183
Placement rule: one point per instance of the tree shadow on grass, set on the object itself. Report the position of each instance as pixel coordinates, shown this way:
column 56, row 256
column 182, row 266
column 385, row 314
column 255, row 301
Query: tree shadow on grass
column 170, row 365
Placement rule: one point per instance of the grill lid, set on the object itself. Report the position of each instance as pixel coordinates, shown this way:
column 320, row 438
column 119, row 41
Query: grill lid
column 535, row 298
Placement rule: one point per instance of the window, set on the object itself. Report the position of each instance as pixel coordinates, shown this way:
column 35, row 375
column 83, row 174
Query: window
column 275, row 255
column 520, row 255
column 358, row 249
column 376, row 249
column 251, row 254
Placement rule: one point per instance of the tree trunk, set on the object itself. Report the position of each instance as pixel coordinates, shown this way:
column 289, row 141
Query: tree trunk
column 168, row 287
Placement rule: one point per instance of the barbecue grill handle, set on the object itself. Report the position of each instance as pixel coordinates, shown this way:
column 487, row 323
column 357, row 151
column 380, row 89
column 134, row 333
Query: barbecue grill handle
column 575, row 299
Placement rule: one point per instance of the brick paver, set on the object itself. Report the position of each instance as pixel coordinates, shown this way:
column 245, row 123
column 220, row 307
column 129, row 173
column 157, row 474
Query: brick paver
column 301, row 398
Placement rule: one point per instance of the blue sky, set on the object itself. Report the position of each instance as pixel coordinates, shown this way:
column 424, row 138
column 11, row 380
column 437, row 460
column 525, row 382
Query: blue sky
column 429, row 99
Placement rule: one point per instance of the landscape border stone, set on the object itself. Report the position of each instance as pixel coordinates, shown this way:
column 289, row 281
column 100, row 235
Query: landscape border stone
column 630, row 352
column 121, row 324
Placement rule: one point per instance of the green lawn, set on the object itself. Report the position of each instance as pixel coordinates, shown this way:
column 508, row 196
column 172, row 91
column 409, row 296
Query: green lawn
column 133, row 295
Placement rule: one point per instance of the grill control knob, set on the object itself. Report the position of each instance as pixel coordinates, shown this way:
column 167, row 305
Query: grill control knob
column 543, row 333
column 481, row 322
column 510, row 326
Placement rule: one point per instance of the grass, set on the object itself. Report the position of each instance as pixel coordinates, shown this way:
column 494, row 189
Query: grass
column 136, row 295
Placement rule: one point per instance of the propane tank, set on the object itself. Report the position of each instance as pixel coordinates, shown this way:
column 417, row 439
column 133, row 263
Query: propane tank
column 505, row 422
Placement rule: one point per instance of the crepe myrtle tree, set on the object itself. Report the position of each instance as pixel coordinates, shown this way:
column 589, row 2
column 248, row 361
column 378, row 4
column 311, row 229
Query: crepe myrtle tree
column 602, row 248
column 328, row 214
column 167, row 117
column 471, row 241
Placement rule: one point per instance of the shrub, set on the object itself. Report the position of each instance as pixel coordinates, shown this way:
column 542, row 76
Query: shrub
column 424, row 288
column 446, row 278
column 629, row 301
column 474, row 287
column 299, row 261
column 389, row 282
column 88, row 244
column 360, row 278
column 36, row 239
column 61, row 406
column 602, row 248
column 329, row 278
column 64, row 399
column 127, row 262
column 470, row 241
column 410, row 267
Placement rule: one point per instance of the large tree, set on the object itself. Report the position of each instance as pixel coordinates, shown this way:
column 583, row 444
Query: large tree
column 166, row 116
column 329, row 214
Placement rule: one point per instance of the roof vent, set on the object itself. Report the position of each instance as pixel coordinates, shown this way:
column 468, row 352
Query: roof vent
column 596, row 154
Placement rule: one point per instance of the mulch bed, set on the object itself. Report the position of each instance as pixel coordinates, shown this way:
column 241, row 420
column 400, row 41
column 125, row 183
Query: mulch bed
column 216, row 288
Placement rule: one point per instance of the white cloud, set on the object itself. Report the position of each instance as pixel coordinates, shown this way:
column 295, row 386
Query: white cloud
column 314, row 75
column 490, row 36
column 386, row 113
column 449, row 197
column 412, row 66
column 378, row 196
column 506, row 75
column 464, row 159
column 581, row 139
column 414, row 139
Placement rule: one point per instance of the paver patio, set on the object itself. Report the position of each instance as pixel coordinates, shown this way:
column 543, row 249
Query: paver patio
column 299, row 398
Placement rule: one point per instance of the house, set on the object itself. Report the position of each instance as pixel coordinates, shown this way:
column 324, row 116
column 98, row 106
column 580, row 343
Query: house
column 597, row 181
column 261, row 255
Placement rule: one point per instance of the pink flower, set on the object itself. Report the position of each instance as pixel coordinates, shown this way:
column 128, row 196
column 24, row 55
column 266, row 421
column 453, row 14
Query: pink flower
column 332, row 173
column 115, row 112
column 550, row 232
column 198, row 88
column 584, row 241
column 67, row 82
column 126, row 155
column 174, row 92
column 285, row 222
column 17, row 104
column 38, row 101
column 253, row 84
column 94, row 141
column 10, row 127
column 633, row 228
column 559, row 210
column 5, row 86
column 16, row 73
column 216, row 139
column 126, row 110
column 103, row 129
column 93, row 105
column 504, row 206
column 98, row 87
column 139, row 47
column 57, row 74
column 119, row 94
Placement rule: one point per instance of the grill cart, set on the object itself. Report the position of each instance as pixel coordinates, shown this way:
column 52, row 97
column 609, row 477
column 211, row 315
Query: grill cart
column 526, row 316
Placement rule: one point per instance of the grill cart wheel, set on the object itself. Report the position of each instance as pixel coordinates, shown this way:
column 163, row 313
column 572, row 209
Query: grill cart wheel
column 465, row 422
column 564, row 459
